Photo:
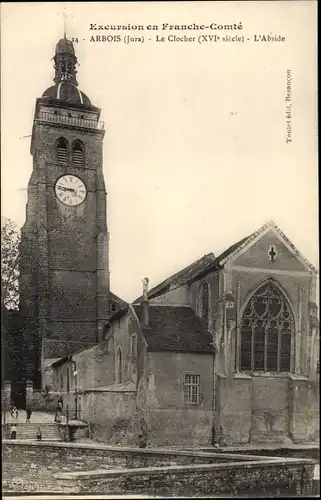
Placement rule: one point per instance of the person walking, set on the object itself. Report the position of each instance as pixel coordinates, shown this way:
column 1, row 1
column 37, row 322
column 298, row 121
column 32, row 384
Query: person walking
column 14, row 412
column 28, row 415
column 39, row 434
column 13, row 431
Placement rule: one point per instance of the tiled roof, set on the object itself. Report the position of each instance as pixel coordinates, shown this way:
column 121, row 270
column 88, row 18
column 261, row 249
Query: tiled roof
column 181, row 277
column 176, row 328
column 117, row 299
column 231, row 249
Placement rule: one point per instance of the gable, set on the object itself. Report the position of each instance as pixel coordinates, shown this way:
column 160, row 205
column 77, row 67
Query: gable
column 256, row 255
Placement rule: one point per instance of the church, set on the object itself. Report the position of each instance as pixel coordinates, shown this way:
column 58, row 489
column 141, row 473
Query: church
column 223, row 351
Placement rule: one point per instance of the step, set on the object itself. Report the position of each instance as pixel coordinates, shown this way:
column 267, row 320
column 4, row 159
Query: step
column 50, row 432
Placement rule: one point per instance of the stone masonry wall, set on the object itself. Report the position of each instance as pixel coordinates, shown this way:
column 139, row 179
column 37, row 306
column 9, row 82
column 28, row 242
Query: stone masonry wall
column 38, row 467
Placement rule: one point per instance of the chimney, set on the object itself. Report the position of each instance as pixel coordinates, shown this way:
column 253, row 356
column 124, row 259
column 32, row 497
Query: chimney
column 145, row 305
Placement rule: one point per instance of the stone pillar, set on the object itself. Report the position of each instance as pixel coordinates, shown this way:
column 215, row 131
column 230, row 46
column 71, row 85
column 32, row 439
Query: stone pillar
column 6, row 398
column 29, row 393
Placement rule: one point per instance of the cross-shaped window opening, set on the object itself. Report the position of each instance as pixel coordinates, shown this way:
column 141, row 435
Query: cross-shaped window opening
column 272, row 253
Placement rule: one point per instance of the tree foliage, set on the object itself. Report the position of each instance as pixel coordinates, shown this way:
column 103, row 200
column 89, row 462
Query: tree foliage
column 10, row 240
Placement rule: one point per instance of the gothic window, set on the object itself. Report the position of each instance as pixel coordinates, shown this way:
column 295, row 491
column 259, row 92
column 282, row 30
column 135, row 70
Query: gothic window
column 204, row 302
column 191, row 388
column 78, row 154
column 62, row 150
column 119, row 367
column 267, row 328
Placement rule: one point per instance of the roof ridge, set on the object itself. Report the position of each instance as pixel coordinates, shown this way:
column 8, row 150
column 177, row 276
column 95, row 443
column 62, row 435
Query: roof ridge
column 171, row 278
column 256, row 233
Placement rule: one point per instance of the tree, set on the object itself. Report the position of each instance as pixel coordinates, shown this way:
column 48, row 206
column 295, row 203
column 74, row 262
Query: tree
column 10, row 240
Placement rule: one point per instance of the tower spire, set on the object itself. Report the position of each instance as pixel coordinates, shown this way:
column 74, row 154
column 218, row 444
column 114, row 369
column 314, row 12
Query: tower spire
column 65, row 22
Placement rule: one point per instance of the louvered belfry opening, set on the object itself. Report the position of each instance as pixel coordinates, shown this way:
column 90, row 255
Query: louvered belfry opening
column 62, row 150
column 78, row 154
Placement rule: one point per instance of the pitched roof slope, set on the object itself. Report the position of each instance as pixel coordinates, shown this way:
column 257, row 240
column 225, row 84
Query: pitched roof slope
column 208, row 262
column 115, row 297
column 176, row 328
column 181, row 277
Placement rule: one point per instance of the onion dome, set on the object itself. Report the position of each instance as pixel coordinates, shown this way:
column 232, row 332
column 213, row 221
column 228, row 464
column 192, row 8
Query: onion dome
column 67, row 92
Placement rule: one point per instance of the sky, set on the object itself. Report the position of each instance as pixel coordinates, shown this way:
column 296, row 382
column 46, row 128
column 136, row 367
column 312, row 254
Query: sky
column 195, row 153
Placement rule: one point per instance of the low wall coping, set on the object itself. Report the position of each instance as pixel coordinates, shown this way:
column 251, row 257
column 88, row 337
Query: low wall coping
column 241, row 376
column 295, row 376
column 152, row 451
column 183, row 469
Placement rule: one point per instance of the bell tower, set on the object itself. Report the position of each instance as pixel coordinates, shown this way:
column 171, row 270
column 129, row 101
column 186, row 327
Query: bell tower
column 64, row 270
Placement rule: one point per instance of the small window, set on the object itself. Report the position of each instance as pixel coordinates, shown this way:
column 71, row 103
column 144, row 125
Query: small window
column 204, row 302
column 78, row 154
column 119, row 367
column 68, row 379
column 191, row 388
column 112, row 306
column 62, row 150
column 133, row 346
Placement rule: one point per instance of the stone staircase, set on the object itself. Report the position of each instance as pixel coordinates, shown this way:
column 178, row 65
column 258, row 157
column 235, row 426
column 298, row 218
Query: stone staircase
column 50, row 432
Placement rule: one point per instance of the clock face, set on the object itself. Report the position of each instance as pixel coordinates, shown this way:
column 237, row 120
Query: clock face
column 70, row 190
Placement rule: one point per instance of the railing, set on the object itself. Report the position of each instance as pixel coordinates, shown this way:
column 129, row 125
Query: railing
column 70, row 120
column 71, row 413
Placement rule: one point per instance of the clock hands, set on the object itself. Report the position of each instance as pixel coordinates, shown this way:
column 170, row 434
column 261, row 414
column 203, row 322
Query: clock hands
column 70, row 190
column 66, row 189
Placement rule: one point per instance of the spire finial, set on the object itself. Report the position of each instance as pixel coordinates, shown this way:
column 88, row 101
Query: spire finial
column 65, row 22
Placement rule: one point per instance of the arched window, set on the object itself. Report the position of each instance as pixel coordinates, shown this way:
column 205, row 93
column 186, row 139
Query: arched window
column 204, row 302
column 267, row 328
column 62, row 150
column 119, row 367
column 78, row 154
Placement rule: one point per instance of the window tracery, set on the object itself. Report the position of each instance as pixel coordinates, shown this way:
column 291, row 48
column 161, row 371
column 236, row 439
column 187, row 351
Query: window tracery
column 267, row 328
